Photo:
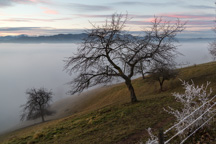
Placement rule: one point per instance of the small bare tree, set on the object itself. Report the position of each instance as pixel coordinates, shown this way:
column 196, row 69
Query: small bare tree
column 110, row 53
column 143, row 68
column 212, row 46
column 212, row 49
column 37, row 104
column 198, row 107
column 163, row 72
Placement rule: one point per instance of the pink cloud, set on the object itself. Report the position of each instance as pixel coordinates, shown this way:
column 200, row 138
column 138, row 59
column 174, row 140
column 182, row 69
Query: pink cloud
column 49, row 11
column 33, row 19
column 164, row 16
column 30, row 1
column 185, row 16
column 202, row 23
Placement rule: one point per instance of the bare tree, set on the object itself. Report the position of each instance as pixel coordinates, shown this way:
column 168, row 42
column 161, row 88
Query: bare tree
column 109, row 52
column 37, row 104
column 143, row 68
column 212, row 49
column 163, row 72
column 212, row 46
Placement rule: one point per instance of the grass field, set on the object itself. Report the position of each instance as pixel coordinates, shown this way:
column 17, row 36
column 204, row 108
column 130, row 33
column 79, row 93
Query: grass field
column 108, row 117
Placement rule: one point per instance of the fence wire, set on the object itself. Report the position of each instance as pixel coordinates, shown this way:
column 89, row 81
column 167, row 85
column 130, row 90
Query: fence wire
column 188, row 115
column 197, row 129
column 166, row 142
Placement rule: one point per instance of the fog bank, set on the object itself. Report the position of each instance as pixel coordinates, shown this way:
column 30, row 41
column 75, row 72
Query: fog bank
column 26, row 66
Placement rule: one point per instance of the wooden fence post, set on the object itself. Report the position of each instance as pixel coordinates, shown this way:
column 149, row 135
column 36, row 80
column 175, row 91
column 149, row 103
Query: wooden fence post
column 161, row 136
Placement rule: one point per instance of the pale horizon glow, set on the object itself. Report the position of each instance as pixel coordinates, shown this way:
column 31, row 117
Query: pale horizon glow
column 49, row 17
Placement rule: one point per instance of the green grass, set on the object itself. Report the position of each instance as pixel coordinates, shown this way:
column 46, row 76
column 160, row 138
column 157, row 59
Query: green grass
column 109, row 117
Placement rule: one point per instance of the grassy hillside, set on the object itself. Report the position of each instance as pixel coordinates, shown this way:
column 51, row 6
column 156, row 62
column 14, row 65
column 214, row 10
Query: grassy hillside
column 107, row 116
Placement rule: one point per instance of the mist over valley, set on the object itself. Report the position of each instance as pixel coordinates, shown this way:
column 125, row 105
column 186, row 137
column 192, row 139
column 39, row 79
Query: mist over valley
column 25, row 66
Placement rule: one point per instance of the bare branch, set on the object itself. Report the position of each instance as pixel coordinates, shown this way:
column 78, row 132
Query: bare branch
column 37, row 104
column 109, row 52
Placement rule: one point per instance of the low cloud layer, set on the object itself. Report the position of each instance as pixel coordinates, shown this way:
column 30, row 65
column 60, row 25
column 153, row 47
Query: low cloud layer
column 199, row 20
column 87, row 7
column 39, row 30
column 146, row 3
column 4, row 3
column 180, row 3
column 36, row 19
column 76, row 14
column 191, row 19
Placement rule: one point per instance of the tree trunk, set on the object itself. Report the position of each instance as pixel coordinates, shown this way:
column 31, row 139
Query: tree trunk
column 161, row 85
column 132, row 92
column 141, row 67
column 143, row 75
column 42, row 117
column 42, row 114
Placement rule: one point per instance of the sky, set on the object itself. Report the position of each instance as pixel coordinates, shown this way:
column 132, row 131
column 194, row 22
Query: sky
column 48, row 17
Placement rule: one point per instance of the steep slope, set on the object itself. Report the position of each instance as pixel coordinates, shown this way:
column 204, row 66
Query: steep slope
column 107, row 116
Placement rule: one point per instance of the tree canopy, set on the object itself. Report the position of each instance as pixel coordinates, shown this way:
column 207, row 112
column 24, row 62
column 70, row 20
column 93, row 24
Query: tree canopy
column 109, row 52
column 37, row 104
column 163, row 72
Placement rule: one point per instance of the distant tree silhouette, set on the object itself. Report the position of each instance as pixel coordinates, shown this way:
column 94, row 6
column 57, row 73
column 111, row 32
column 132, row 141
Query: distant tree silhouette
column 162, row 72
column 37, row 104
column 143, row 68
column 109, row 52
column 212, row 49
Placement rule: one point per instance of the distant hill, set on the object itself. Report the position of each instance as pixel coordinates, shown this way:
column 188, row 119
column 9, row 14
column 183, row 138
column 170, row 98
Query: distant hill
column 67, row 38
column 195, row 39
column 60, row 38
